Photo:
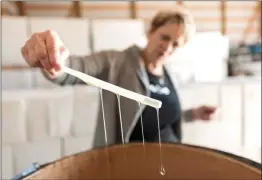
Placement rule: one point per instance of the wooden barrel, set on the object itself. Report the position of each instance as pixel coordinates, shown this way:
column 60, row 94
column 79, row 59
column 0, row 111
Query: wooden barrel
column 135, row 161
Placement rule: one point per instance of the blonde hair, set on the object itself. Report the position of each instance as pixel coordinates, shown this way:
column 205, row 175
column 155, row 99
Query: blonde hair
column 178, row 15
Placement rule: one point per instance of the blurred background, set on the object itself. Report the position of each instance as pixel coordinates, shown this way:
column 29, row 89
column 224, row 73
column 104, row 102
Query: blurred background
column 42, row 122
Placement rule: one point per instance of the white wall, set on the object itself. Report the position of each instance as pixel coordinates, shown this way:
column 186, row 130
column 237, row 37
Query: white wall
column 207, row 14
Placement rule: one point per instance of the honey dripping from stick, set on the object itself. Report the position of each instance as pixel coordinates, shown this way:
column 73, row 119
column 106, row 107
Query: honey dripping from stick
column 104, row 121
column 162, row 169
column 121, row 123
column 120, row 118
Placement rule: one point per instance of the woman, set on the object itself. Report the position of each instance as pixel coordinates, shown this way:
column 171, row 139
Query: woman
column 139, row 70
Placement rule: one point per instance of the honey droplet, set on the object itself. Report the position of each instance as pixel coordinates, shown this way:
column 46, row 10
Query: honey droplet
column 162, row 171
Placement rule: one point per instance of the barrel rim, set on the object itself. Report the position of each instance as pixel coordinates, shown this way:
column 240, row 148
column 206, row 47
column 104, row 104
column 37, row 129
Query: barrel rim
column 233, row 158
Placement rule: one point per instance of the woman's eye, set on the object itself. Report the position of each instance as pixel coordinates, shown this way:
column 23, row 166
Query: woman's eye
column 165, row 38
column 175, row 44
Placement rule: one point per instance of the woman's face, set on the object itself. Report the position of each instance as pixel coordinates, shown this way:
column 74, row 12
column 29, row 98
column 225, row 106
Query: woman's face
column 163, row 41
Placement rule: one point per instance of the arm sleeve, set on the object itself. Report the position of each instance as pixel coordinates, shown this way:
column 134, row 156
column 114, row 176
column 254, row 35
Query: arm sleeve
column 187, row 115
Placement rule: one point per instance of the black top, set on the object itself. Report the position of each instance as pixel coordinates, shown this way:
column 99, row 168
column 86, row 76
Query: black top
column 161, row 88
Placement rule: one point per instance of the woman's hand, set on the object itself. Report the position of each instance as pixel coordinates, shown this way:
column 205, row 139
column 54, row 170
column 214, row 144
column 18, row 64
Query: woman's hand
column 45, row 50
column 204, row 113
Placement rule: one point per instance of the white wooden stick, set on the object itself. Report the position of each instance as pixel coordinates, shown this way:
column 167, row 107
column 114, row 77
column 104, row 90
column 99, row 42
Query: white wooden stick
column 113, row 88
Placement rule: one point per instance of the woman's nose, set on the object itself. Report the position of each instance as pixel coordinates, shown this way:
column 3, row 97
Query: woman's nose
column 167, row 46
column 164, row 46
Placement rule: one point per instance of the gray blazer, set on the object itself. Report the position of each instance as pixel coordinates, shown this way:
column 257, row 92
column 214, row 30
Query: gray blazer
column 124, row 69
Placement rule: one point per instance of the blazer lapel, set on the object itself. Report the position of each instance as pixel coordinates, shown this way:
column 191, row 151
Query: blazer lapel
column 140, row 68
column 142, row 75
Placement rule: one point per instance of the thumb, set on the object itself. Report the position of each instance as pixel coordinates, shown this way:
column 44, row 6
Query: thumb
column 64, row 54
